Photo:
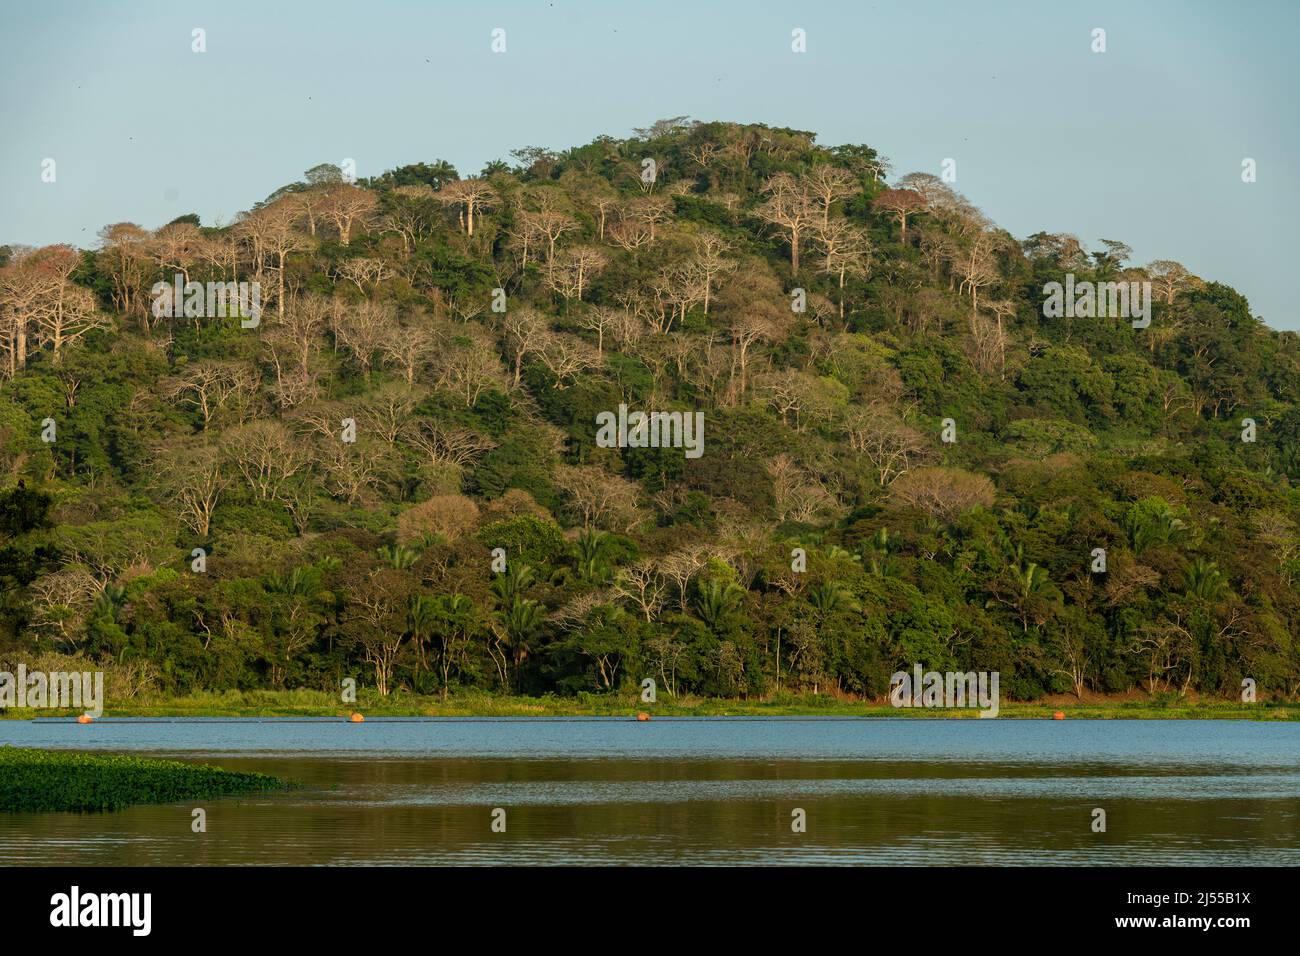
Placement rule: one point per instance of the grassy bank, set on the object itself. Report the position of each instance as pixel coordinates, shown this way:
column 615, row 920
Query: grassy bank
column 43, row 780
column 311, row 703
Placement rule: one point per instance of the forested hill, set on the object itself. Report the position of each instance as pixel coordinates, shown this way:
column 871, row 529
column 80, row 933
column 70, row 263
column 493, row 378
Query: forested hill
column 905, row 459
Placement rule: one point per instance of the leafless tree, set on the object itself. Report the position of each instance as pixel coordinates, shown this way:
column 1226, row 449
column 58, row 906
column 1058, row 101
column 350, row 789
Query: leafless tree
column 795, row 395
column 603, row 202
column 630, row 233
column 351, row 469
column 175, row 247
column 977, row 265
column 746, row 332
column 411, row 214
column 891, row 446
column 682, row 566
column 364, row 271
column 788, row 207
column 272, row 232
column 799, row 495
column 565, row 356
column 943, row 493
column 387, row 411
column 846, row 251
column 828, row 184
column 524, row 330
column 472, row 196
column 266, row 454
column 61, row 601
column 348, row 207
column 39, row 299
column 644, row 585
column 470, row 367
column 574, row 269
column 988, row 342
column 649, row 211
column 934, row 192
column 363, row 328
column 599, row 498
column 124, row 251
column 192, row 480
column 600, row 320
column 550, row 224
column 213, row 385
column 411, row 347
column 21, row 290
column 447, row 444
column 709, row 262
column 1169, row 278
column 377, row 604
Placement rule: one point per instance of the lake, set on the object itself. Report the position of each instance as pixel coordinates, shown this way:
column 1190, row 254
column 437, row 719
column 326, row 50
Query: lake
column 694, row 791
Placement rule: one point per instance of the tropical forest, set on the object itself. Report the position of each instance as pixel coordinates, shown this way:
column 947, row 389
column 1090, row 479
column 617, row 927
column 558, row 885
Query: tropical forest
column 386, row 467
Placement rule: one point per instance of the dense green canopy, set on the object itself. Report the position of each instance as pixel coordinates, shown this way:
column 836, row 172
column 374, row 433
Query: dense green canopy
column 905, row 460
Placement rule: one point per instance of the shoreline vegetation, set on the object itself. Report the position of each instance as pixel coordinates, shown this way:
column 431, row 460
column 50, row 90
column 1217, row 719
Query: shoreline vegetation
column 311, row 703
column 34, row 781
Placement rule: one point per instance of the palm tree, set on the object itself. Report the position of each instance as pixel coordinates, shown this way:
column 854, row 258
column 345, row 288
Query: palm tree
column 109, row 603
column 835, row 552
column 715, row 600
column 1154, row 527
column 303, row 594
column 454, row 620
column 591, row 544
column 421, row 620
column 398, row 557
column 518, row 617
column 521, row 620
column 830, row 597
column 1031, row 581
column 1029, row 585
column 592, row 560
column 876, row 553
column 1204, row 580
column 513, row 582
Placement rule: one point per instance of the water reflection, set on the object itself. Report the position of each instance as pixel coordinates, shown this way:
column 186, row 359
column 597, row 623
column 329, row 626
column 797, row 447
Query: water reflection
column 895, row 792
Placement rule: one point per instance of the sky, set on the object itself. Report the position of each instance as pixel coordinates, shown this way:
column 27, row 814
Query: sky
column 1143, row 143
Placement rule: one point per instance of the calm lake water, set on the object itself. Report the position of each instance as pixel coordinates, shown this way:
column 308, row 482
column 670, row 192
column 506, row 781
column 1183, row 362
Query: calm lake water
column 694, row 791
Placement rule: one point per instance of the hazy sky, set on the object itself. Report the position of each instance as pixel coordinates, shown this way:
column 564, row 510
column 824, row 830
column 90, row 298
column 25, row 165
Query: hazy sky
column 1142, row 143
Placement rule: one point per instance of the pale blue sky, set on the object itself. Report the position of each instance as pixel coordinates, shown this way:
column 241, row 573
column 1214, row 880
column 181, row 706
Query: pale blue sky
column 1143, row 143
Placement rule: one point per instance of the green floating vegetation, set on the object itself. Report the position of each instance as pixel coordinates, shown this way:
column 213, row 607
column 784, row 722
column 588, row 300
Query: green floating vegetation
column 302, row 702
column 44, row 780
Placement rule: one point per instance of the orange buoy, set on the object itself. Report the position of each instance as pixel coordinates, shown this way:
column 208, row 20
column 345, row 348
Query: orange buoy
column 1059, row 715
column 643, row 716
column 85, row 719
column 356, row 718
